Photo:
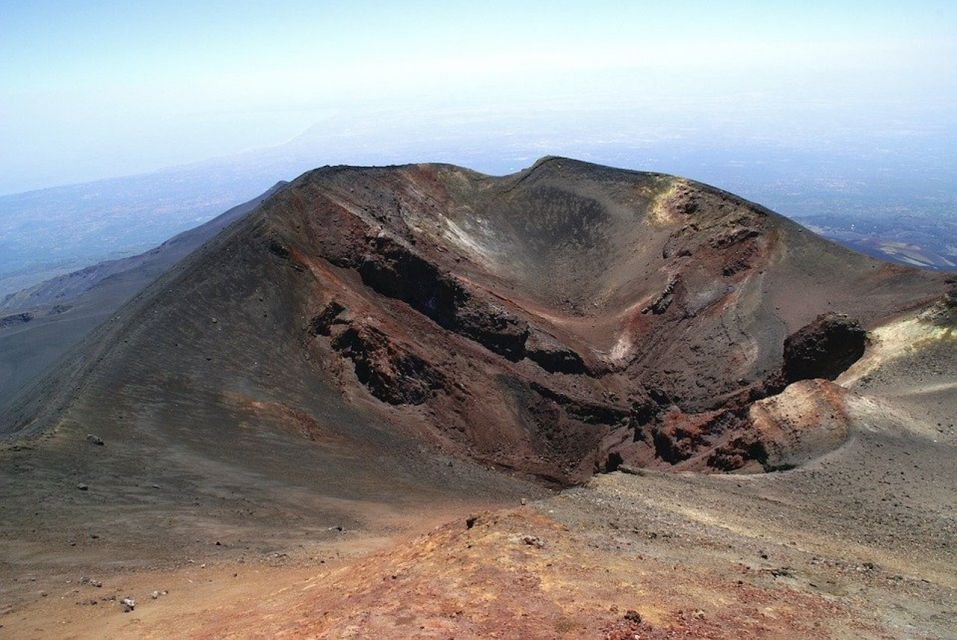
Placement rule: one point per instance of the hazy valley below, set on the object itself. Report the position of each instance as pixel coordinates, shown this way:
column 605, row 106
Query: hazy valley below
column 898, row 207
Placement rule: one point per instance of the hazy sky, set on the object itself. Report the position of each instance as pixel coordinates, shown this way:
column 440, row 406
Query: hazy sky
column 99, row 89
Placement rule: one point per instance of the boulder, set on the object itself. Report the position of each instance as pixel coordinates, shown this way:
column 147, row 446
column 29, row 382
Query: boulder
column 825, row 348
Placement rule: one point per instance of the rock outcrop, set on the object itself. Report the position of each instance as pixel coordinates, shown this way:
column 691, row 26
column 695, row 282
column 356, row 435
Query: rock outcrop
column 825, row 348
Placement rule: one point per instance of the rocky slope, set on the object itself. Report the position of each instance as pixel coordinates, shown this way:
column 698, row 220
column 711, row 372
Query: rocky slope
column 560, row 321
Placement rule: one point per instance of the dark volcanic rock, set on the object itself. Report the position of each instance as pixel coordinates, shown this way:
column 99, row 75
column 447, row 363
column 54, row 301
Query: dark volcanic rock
column 398, row 272
column 390, row 371
column 733, row 236
column 15, row 319
column 589, row 412
column 331, row 314
column 824, row 348
column 278, row 249
column 661, row 303
column 552, row 355
column 678, row 436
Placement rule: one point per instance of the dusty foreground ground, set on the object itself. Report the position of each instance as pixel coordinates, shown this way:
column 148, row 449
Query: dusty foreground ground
column 859, row 544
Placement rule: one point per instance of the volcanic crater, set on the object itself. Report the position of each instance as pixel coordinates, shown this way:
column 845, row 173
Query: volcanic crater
column 557, row 322
column 377, row 341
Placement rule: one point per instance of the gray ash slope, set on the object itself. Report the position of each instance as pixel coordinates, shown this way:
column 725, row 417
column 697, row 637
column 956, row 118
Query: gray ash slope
column 41, row 323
